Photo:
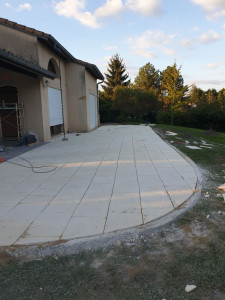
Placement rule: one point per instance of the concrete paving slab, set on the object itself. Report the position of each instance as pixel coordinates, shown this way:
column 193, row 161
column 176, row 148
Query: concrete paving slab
column 120, row 220
column 11, row 231
column 155, row 213
column 4, row 210
column 84, row 226
column 23, row 213
column 49, row 224
column 125, row 202
column 112, row 178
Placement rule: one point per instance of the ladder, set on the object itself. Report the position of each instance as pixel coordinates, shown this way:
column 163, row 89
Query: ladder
column 11, row 108
column 20, row 123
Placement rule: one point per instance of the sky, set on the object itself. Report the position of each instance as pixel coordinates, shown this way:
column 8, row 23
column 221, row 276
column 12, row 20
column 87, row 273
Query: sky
column 188, row 32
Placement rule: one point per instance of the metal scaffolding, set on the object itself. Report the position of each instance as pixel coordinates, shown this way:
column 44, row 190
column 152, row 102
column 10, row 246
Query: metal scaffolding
column 10, row 109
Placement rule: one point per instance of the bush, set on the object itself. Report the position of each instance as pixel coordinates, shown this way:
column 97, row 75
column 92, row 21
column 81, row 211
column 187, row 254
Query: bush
column 205, row 116
column 135, row 102
column 109, row 115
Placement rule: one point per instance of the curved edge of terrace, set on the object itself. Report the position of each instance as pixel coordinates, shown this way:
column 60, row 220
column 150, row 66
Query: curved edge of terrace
column 124, row 178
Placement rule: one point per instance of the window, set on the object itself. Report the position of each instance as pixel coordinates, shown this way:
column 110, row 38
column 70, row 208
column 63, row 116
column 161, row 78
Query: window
column 53, row 66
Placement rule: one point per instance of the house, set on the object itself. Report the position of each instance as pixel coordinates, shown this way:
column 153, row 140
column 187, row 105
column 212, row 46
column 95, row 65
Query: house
column 43, row 88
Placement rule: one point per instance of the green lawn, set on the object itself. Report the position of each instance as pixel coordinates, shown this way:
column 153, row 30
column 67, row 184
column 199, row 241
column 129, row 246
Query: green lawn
column 154, row 266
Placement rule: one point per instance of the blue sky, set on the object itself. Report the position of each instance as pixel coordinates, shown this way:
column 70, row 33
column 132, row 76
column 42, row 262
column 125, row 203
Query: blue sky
column 192, row 32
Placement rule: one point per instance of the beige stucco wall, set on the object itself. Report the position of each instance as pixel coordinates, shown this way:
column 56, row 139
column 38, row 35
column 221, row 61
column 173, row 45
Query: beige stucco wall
column 28, row 93
column 77, row 98
column 19, row 43
column 76, row 83
column 45, row 54
column 91, row 88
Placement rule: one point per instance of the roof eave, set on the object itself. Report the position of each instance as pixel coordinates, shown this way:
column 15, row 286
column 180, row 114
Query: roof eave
column 26, row 66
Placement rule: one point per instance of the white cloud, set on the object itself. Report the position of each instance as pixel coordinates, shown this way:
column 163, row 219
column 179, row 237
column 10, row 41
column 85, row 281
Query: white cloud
column 211, row 66
column 153, row 38
column 110, row 8
column 215, row 65
column 109, row 48
column 151, row 41
column 169, row 51
column 210, row 5
column 214, row 8
column 208, row 82
column 145, row 7
column 196, row 28
column 215, row 16
column 25, row 6
column 74, row 9
column 107, row 58
column 145, row 53
column 206, row 38
column 188, row 43
column 209, row 37
column 7, row 4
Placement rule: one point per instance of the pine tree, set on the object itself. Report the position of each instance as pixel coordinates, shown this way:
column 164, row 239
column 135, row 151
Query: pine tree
column 148, row 79
column 221, row 99
column 197, row 95
column 173, row 89
column 116, row 76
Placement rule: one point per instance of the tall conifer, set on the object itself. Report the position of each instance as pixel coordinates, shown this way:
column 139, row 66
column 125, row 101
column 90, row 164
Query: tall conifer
column 116, row 75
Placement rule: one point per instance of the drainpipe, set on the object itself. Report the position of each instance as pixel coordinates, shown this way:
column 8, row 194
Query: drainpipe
column 60, row 81
column 98, row 102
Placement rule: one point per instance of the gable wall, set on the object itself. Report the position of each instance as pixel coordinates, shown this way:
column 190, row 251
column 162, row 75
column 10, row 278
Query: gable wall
column 19, row 43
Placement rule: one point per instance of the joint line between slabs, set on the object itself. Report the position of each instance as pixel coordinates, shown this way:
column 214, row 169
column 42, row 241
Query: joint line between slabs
column 158, row 172
column 137, row 175
column 87, row 187
column 113, row 185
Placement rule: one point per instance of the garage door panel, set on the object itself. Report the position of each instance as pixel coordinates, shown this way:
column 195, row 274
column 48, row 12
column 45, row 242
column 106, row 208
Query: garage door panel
column 55, row 106
column 92, row 108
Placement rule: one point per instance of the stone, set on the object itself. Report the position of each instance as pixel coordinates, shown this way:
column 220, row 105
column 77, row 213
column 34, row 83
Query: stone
column 190, row 288
column 171, row 133
column 207, row 217
column 193, row 147
column 222, row 187
column 206, row 147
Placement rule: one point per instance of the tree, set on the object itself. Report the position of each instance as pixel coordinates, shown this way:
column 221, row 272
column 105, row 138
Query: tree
column 197, row 95
column 116, row 76
column 148, row 78
column 221, row 99
column 173, row 89
column 135, row 103
column 211, row 95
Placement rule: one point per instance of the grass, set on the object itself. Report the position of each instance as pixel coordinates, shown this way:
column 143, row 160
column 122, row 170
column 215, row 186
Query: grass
column 159, row 266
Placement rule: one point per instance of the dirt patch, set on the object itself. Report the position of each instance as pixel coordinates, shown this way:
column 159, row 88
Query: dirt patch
column 211, row 133
column 96, row 264
column 5, row 258
column 187, row 136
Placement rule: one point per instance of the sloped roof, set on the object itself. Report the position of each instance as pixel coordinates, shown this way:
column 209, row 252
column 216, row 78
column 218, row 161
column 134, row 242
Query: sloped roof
column 54, row 45
column 11, row 60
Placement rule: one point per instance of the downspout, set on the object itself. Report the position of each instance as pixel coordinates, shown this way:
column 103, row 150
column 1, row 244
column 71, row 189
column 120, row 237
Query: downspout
column 60, row 81
column 98, row 102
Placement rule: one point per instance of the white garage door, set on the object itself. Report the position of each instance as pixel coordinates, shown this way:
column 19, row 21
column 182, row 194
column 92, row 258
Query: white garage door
column 55, row 106
column 92, row 108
